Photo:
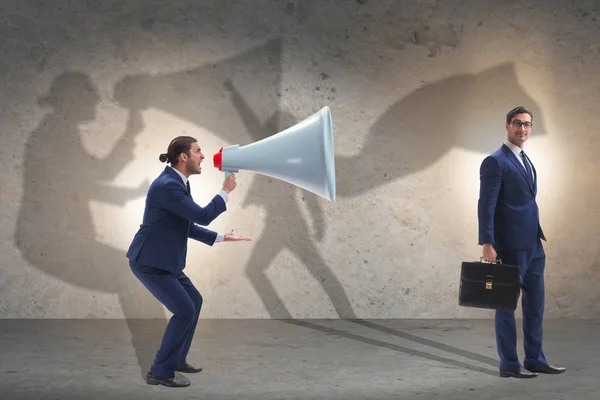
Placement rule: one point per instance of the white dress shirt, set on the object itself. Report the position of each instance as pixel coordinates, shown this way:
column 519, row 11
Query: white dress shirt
column 517, row 150
column 225, row 196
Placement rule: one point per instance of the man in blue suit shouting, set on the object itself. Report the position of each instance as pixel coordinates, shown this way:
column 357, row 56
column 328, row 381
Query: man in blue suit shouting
column 509, row 229
column 157, row 254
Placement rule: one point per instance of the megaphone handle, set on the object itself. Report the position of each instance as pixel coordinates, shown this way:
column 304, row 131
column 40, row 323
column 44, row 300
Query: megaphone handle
column 227, row 173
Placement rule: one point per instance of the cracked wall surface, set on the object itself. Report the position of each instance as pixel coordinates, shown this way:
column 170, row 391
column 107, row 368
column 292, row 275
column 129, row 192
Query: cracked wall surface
column 92, row 92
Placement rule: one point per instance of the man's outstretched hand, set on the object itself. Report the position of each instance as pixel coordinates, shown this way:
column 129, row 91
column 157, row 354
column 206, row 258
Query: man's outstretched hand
column 231, row 237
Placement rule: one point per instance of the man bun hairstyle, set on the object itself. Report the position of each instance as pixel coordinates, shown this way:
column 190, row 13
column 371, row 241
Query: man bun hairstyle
column 181, row 144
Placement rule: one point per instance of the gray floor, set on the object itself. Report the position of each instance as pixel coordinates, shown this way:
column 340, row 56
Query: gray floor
column 297, row 359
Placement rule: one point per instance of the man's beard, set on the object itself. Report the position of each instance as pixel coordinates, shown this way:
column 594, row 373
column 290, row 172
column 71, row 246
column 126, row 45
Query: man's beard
column 192, row 168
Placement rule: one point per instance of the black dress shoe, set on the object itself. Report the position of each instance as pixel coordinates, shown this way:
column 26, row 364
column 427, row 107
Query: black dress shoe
column 548, row 369
column 170, row 382
column 517, row 373
column 187, row 368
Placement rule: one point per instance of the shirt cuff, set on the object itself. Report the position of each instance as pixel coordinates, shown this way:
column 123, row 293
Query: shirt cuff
column 220, row 237
column 224, row 195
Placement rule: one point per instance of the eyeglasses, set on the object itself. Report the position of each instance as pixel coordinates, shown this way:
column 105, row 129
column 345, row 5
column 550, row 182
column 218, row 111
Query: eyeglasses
column 516, row 123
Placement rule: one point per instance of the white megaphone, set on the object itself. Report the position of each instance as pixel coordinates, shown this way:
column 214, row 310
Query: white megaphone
column 301, row 155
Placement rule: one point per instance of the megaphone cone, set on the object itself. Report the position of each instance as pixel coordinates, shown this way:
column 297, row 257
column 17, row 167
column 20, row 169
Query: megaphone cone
column 301, row 155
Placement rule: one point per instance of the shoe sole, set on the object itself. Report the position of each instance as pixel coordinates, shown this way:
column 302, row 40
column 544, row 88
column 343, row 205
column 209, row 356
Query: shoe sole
column 549, row 373
column 517, row 377
column 155, row 383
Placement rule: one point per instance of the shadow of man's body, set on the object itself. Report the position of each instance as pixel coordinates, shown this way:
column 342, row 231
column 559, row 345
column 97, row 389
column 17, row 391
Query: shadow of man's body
column 285, row 227
column 55, row 231
column 463, row 111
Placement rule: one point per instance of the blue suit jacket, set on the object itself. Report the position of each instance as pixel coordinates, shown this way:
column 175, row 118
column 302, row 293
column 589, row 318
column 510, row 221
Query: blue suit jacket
column 170, row 217
column 507, row 211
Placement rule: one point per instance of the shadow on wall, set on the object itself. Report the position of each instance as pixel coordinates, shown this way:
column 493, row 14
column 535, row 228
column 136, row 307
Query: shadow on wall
column 55, row 231
column 464, row 111
column 285, row 228
column 413, row 134
column 209, row 98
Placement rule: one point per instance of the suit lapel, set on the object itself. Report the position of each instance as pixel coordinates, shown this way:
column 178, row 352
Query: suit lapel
column 511, row 156
column 177, row 178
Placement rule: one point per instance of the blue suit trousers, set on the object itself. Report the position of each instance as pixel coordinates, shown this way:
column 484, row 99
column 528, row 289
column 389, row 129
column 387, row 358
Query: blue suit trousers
column 182, row 299
column 532, row 262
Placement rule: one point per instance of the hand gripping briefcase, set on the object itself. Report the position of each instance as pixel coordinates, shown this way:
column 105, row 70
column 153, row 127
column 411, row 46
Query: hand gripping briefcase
column 494, row 286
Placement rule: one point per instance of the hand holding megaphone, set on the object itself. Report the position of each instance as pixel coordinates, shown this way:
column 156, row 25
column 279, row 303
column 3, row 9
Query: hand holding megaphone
column 229, row 183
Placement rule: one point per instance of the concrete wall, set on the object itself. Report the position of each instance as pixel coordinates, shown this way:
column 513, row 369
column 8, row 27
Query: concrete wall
column 92, row 92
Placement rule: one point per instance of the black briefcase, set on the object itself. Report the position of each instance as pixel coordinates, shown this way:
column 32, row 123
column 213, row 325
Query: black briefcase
column 488, row 285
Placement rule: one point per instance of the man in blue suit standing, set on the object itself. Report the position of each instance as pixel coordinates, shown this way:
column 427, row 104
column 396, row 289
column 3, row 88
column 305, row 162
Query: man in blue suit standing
column 509, row 229
column 157, row 254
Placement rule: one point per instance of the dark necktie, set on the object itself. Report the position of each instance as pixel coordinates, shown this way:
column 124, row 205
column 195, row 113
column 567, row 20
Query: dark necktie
column 527, row 167
column 189, row 190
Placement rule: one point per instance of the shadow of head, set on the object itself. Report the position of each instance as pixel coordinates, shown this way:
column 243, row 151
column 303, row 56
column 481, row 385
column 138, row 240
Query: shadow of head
column 73, row 95
column 466, row 111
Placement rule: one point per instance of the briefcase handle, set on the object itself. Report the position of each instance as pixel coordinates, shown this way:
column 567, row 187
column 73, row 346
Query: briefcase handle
column 498, row 261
